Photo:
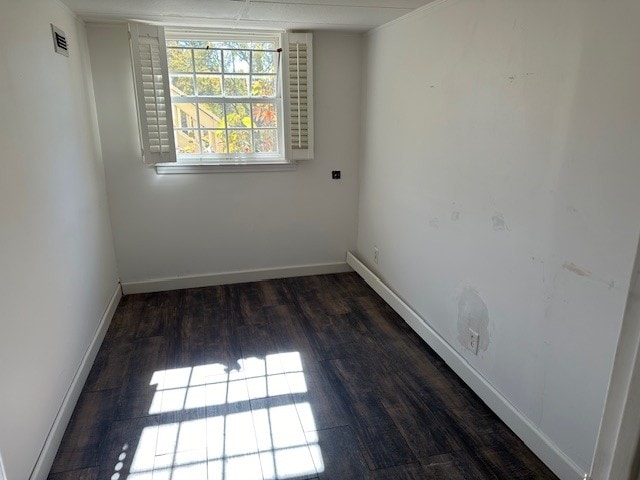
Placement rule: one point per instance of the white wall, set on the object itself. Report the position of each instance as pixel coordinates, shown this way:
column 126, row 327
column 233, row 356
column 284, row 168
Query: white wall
column 57, row 264
column 180, row 225
column 617, row 453
column 499, row 182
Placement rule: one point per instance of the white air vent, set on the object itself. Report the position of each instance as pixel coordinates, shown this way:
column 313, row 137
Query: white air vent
column 59, row 41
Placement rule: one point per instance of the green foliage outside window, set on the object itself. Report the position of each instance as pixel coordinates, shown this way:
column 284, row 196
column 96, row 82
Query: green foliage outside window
column 224, row 96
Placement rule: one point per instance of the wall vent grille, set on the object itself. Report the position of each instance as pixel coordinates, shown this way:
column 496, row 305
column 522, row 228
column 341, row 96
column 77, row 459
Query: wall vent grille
column 59, row 41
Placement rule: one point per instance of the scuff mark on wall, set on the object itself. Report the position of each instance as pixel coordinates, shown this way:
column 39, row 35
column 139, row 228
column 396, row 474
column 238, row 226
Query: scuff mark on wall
column 572, row 267
column 499, row 223
column 455, row 216
column 473, row 314
column 582, row 272
column 541, row 262
column 434, row 222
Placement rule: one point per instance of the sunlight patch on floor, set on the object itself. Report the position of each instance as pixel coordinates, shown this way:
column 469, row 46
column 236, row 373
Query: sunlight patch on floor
column 237, row 439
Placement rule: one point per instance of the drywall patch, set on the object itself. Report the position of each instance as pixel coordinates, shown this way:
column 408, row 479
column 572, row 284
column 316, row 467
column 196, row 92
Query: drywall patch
column 473, row 314
column 572, row 267
column 498, row 222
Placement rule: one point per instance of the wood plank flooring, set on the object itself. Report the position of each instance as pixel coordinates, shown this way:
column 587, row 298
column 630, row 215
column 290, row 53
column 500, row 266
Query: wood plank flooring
column 310, row 377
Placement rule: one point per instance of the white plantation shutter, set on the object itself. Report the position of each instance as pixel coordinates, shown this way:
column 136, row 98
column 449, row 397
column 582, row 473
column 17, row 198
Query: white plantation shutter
column 153, row 94
column 299, row 63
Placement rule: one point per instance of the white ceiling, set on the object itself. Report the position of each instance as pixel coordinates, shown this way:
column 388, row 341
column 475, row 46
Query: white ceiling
column 291, row 14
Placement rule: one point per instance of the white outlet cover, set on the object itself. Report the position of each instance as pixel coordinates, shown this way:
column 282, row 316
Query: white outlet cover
column 474, row 340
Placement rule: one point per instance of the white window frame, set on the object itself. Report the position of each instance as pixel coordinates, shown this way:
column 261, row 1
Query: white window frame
column 236, row 158
column 286, row 105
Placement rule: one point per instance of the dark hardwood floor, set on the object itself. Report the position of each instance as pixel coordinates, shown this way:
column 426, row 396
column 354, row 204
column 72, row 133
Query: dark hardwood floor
column 311, row 377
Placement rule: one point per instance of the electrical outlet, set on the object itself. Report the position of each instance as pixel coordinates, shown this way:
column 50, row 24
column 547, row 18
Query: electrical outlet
column 376, row 255
column 474, row 340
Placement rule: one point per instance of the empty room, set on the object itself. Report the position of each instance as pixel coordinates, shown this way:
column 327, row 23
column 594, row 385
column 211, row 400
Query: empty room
column 318, row 239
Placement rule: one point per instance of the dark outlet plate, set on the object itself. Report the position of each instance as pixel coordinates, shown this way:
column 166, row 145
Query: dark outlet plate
column 335, row 174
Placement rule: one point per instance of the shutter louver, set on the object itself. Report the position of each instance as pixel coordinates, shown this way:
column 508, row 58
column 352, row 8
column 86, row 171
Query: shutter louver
column 153, row 93
column 300, row 94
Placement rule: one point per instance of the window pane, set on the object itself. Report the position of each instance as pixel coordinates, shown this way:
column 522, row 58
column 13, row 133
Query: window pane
column 240, row 141
column 214, row 141
column 236, row 85
column 182, row 85
column 236, row 61
column 184, row 115
column 216, row 75
column 188, row 43
column 238, row 115
column 212, row 115
column 264, row 115
column 208, row 60
column 179, row 60
column 209, row 84
column 267, row 45
column 187, row 141
column 263, row 86
column 265, row 141
column 233, row 45
column 263, row 62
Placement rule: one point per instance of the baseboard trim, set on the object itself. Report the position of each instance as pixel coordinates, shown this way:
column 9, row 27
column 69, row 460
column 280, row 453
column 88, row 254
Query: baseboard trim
column 531, row 435
column 241, row 276
column 52, row 443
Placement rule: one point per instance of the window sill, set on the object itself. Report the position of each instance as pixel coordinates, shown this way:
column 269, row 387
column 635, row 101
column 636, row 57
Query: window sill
column 180, row 168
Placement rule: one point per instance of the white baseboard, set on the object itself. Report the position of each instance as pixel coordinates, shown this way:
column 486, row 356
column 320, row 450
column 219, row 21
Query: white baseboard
column 51, row 445
column 531, row 435
column 242, row 276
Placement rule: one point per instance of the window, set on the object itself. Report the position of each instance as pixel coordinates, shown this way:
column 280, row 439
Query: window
column 222, row 98
column 225, row 95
